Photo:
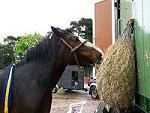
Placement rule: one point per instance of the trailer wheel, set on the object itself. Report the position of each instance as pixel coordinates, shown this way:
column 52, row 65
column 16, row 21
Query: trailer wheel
column 94, row 93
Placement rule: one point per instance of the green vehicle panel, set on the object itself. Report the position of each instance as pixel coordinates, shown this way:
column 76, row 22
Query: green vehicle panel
column 139, row 10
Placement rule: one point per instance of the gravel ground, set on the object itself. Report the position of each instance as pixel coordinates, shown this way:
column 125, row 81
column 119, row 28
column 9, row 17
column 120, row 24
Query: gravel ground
column 60, row 103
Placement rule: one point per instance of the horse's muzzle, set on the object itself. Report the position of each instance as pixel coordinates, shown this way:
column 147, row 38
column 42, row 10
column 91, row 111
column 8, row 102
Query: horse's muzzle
column 100, row 57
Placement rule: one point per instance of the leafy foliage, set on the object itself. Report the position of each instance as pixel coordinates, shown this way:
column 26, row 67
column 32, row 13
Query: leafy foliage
column 5, row 57
column 11, row 40
column 82, row 28
column 24, row 43
column 6, row 51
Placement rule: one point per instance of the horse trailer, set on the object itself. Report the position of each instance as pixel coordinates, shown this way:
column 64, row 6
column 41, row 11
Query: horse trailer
column 119, row 12
column 72, row 78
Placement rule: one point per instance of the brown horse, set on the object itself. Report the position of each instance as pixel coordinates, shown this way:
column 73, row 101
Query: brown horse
column 38, row 72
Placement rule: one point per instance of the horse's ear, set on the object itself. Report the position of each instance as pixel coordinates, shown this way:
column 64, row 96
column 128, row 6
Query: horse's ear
column 57, row 31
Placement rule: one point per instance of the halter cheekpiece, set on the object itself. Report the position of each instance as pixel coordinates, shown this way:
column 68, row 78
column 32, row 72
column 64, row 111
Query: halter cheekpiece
column 74, row 49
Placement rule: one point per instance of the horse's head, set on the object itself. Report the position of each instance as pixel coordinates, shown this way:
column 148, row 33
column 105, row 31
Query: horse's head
column 83, row 51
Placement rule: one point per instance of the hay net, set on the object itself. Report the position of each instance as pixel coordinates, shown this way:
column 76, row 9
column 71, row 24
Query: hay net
column 116, row 73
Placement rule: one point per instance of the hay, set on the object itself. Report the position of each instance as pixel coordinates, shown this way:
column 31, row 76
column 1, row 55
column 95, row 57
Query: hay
column 61, row 91
column 116, row 74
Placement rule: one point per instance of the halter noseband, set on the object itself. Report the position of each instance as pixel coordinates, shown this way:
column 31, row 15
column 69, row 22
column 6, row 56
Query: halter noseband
column 74, row 49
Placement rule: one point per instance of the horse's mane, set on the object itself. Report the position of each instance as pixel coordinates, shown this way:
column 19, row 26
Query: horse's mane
column 40, row 50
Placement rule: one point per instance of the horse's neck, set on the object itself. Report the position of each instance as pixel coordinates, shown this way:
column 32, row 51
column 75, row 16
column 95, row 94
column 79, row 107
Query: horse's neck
column 48, row 70
column 47, row 73
column 58, row 69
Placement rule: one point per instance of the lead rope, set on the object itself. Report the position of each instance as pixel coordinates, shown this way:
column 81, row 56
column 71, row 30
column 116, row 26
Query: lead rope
column 7, row 90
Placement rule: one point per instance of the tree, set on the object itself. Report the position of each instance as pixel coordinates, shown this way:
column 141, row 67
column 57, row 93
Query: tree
column 5, row 58
column 10, row 42
column 6, row 51
column 82, row 28
column 24, row 43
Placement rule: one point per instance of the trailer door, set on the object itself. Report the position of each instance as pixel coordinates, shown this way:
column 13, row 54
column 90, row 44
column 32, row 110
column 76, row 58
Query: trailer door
column 103, row 24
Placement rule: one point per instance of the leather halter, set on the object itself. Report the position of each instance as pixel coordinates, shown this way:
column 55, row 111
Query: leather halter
column 74, row 49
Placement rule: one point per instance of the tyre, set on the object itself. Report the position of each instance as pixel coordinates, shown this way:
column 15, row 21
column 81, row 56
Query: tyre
column 94, row 93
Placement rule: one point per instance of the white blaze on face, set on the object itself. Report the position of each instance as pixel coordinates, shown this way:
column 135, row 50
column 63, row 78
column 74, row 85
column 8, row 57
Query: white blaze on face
column 89, row 44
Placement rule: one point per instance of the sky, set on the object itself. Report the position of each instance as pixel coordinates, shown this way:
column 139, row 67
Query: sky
column 19, row 17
